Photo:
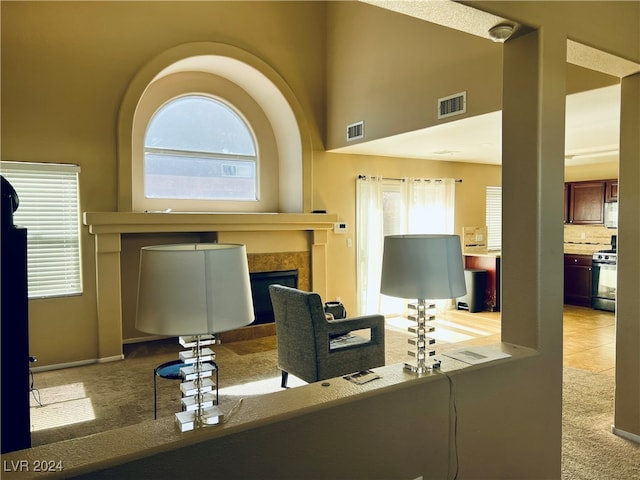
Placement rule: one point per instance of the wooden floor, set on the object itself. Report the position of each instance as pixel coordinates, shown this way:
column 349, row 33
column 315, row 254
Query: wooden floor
column 588, row 335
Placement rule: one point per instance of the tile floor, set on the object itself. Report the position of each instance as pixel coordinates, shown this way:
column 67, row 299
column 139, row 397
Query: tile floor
column 589, row 339
column 588, row 335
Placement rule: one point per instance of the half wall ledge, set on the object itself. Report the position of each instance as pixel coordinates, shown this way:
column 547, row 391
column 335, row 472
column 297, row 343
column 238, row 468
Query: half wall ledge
column 340, row 416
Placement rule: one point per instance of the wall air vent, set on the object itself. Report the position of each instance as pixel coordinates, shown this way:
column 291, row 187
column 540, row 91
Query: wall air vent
column 452, row 105
column 355, row 131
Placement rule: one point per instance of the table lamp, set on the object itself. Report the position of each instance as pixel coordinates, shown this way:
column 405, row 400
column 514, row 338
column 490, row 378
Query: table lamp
column 421, row 267
column 194, row 291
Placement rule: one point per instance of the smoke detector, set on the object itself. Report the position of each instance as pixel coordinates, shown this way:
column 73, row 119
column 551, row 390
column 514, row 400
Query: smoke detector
column 501, row 32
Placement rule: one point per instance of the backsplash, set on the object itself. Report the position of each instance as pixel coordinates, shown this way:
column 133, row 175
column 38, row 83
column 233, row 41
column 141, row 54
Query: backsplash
column 587, row 239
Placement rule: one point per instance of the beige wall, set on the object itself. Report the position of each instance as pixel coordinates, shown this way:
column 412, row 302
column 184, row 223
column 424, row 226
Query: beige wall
column 600, row 171
column 335, row 191
column 63, row 83
column 366, row 55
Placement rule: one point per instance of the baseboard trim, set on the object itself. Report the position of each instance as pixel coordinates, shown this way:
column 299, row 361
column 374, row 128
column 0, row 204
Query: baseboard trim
column 115, row 358
column 626, row 435
column 60, row 366
column 250, row 332
column 80, row 363
column 149, row 338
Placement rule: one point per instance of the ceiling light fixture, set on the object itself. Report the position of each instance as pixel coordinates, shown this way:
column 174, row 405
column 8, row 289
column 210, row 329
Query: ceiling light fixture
column 501, row 32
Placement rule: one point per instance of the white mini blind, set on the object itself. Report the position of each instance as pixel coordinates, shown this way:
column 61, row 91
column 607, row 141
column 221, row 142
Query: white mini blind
column 494, row 218
column 49, row 210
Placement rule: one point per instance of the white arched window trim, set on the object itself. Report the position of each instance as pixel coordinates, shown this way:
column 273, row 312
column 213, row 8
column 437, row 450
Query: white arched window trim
column 165, row 89
column 278, row 104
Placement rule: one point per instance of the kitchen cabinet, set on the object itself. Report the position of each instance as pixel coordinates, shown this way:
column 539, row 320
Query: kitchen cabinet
column 577, row 280
column 566, row 202
column 586, row 203
column 611, row 191
column 490, row 263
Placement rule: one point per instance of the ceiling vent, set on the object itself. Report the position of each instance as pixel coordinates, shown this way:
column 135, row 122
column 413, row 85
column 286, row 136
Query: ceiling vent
column 355, row 131
column 452, row 105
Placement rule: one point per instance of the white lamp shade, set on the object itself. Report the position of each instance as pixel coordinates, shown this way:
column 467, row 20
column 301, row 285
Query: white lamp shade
column 193, row 289
column 423, row 267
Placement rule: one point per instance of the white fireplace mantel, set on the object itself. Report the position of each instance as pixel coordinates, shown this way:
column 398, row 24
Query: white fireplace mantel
column 108, row 227
column 133, row 222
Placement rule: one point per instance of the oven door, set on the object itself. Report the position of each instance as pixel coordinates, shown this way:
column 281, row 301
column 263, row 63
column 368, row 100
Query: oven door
column 603, row 295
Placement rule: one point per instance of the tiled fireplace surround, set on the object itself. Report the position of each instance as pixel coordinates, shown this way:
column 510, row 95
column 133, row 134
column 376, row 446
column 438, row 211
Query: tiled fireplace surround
column 109, row 228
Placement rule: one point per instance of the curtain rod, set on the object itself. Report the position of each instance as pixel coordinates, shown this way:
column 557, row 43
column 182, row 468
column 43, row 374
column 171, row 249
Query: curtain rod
column 362, row 177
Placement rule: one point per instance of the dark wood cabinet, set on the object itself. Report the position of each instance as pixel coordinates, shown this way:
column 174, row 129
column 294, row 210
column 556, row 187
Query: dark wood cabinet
column 611, row 191
column 577, row 280
column 566, row 202
column 490, row 263
column 586, row 203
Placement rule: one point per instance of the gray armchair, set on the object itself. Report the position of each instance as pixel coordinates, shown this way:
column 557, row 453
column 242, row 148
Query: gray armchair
column 307, row 343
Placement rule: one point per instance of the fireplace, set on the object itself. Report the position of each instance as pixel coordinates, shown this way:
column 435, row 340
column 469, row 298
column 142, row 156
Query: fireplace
column 301, row 240
column 260, row 282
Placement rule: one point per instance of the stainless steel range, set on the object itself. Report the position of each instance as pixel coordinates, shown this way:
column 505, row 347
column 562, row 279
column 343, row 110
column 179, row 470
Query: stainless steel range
column 604, row 280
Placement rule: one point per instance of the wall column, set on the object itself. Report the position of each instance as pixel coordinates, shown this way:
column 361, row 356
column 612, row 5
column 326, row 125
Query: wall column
column 109, row 301
column 627, row 401
column 534, row 71
column 319, row 262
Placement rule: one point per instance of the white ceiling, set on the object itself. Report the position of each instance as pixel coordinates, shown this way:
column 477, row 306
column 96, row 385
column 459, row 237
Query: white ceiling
column 592, row 135
column 592, row 118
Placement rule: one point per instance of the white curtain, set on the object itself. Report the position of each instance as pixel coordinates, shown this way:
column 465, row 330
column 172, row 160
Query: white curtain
column 426, row 206
column 430, row 205
column 369, row 230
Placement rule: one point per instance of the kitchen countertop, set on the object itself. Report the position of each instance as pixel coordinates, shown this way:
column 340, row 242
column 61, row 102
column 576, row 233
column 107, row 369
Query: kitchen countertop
column 584, row 248
column 569, row 249
column 495, row 254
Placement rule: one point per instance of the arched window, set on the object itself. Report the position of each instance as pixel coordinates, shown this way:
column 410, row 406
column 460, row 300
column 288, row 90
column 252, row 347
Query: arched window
column 197, row 147
column 225, row 83
column 202, row 144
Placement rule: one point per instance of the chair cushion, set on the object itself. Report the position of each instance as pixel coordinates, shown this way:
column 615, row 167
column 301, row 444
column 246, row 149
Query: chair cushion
column 346, row 340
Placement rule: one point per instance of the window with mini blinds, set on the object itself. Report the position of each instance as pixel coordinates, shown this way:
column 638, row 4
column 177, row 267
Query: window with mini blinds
column 49, row 210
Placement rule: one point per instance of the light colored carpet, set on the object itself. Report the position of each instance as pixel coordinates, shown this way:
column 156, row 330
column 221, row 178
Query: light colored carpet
column 589, row 450
column 121, row 393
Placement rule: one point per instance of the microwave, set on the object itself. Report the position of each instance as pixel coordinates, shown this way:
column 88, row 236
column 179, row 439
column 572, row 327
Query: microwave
column 611, row 215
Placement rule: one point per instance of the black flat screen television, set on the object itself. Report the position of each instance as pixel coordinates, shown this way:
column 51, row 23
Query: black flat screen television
column 260, row 282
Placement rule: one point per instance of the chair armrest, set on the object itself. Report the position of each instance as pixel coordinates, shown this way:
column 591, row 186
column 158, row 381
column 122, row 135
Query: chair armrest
column 373, row 322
